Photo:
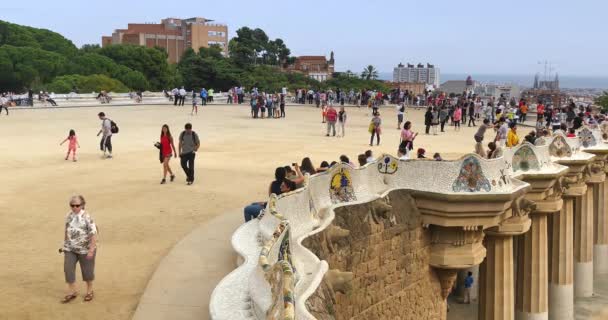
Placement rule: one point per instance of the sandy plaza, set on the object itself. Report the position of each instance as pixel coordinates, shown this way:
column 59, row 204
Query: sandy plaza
column 139, row 220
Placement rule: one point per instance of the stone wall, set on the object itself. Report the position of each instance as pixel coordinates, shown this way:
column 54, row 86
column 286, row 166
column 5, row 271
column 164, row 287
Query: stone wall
column 378, row 256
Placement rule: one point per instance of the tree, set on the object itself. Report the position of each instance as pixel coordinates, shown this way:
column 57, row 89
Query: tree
column 602, row 101
column 91, row 83
column 24, row 67
column 23, row 36
column 369, row 73
column 151, row 62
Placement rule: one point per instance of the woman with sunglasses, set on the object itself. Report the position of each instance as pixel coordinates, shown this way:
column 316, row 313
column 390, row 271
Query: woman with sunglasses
column 80, row 244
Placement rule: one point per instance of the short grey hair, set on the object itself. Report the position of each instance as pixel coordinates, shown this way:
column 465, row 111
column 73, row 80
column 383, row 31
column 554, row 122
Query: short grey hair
column 80, row 199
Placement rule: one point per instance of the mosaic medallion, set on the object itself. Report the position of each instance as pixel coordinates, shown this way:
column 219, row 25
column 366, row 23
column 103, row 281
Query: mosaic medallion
column 471, row 177
column 587, row 138
column 540, row 141
column 604, row 128
column 525, row 159
column 341, row 188
column 388, row 165
column 560, row 148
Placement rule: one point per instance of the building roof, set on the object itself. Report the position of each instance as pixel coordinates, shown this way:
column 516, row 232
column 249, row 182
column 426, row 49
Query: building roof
column 311, row 58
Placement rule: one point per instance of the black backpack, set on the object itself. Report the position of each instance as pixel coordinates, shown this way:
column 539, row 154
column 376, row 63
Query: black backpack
column 113, row 127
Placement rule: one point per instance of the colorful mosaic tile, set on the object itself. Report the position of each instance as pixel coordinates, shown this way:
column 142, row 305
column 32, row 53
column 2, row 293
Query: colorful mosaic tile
column 388, row 165
column 525, row 159
column 341, row 188
column 560, row 148
column 471, row 177
column 587, row 138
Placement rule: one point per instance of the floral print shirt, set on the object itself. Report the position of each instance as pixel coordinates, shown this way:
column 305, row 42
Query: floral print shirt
column 79, row 229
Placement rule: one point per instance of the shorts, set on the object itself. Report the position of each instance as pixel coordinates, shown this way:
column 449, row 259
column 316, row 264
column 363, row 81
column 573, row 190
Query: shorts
column 87, row 266
column 400, row 117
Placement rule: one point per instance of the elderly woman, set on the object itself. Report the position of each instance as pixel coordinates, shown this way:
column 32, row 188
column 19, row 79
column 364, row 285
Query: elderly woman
column 80, row 243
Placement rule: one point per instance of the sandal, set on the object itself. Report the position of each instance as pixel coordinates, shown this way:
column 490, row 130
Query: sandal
column 69, row 297
column 88, row 297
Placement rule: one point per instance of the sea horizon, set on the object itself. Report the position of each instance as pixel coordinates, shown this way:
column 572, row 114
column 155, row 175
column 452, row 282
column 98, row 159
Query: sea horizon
column 565, row 81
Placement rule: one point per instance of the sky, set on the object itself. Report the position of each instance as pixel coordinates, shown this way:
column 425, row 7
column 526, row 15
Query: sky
column 467, row 36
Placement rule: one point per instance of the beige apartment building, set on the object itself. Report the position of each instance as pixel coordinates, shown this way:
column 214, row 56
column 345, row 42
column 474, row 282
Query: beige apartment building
column 173, row 34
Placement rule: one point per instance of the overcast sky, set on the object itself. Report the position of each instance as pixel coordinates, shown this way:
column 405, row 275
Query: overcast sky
column 469, row 36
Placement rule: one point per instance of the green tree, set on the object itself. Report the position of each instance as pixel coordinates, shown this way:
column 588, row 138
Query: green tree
column 90, row 83
column 602, row 101
column 151, row 62
column 24, row 67
column 369, row 73
column 23, row 36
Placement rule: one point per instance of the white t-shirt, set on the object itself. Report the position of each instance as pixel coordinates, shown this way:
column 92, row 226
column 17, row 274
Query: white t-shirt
column 398, row 107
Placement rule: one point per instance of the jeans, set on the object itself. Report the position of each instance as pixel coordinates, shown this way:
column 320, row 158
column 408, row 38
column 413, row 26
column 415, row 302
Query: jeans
column 252, row 211
column 331, row 125
column 187, row 162
column 427, row 129
column 182, row 100
column 176, row 99
column 204, row 101
column 371, row 140
column 106, row 144
column 472, row 119
column 282, row 110
column 341, row 131
column 523, row 117
column 443, row 124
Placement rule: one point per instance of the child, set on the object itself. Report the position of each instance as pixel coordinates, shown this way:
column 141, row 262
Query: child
column 194, row 104
column 324, row 112
column 72, row 146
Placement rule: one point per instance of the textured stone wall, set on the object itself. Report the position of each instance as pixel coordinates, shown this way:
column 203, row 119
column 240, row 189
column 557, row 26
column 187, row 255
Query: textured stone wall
column 378, row 256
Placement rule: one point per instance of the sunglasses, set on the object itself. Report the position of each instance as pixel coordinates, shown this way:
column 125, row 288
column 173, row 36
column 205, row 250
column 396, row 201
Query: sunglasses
column 75, row 205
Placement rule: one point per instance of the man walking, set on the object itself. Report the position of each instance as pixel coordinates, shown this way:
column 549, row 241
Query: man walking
column 204, row 97
column 106, row 139
column 182, row 96
column 176, row 97
column 188, row 145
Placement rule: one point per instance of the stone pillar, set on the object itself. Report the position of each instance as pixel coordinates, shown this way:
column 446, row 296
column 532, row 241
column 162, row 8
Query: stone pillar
column 561, row 290
column 532, row 273
column 600, row 234
column 496, row 286
column 583, row 244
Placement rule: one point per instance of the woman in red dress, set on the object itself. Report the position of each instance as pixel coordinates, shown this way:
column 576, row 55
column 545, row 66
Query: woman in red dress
column 167, row 149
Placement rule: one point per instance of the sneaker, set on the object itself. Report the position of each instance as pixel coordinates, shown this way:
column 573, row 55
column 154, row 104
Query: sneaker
column 109, row 156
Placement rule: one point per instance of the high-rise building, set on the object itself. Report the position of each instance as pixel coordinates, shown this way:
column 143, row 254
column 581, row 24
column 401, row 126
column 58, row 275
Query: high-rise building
column 175, row 35
column 419, row 73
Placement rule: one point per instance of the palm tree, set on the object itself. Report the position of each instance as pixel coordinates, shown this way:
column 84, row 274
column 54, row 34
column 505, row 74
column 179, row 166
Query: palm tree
column 369, row 72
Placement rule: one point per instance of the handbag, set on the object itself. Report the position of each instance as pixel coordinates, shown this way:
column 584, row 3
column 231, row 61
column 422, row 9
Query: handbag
column 371, row 128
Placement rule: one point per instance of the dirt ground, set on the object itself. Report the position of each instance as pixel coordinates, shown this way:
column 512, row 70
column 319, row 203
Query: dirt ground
column 139, row 219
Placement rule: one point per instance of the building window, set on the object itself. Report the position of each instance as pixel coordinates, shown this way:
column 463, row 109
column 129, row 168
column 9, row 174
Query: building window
column 216, row 34
column 221, row 44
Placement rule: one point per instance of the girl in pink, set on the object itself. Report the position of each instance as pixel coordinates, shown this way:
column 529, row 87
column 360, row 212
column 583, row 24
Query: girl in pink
column 72, row 145
column 457, row 118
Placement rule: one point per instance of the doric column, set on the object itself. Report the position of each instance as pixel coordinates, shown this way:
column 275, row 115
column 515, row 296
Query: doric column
column 532, row 271
column 583, row 244
column 496, row 276
column 561, row 291
column 496, row 286
column 600, row 234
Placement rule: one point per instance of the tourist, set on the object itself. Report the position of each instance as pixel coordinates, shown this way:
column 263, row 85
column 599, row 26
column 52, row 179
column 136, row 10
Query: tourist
column 194, row 104
column 345, row 159
column 174, row 93
column 468, row 284
column 4, row 103
column 282, row 105
column 167, row 149
column 279, row 186
column 72, row 145
column 512, row 138
column 434, row 120
column 307, row 167
column 531, row 137
column 106, row 139
column 402, row 153
column 210, row 93
column 262, row 104
column 443, row 117
column 362, row 159
column 188, row 146
column 428, row 119
column 503, row 129
column 571, row 133
column 540, row 112
column 556, row 122
column 400, row 113
column 523, row 110
column 480, row 134
column 323, row 113
column 494, row 150
column 437, row 157
column 472, row 114
column 341, row 122
column 407, row 137
column 324, row 167
column 375, row 129
column 79, row 246
column 204, row 94
column 369, row 156
column 331, row 117
column 421, row 153
column 457, row 118
column 182, row 96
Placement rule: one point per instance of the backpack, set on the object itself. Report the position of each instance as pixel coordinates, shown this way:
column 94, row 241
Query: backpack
column 113, row 127
column 193, row 136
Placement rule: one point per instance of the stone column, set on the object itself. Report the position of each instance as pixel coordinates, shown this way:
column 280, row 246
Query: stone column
column 600, row 248
column 561, row 290
column 583, row 244
column 496, row 286
column 532, row 271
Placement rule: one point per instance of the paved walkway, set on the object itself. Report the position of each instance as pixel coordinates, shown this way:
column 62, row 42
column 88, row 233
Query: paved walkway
column 181, row 286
